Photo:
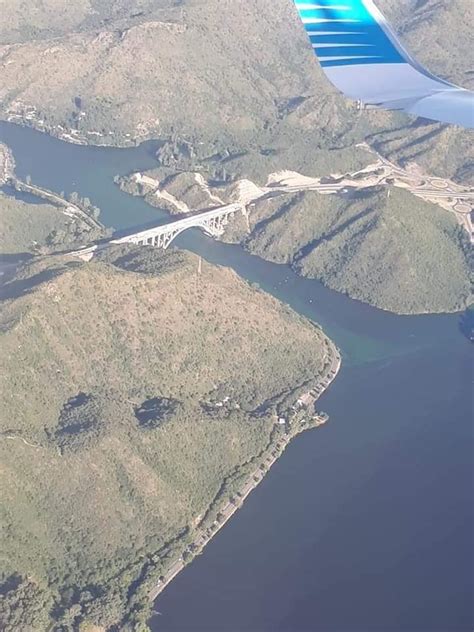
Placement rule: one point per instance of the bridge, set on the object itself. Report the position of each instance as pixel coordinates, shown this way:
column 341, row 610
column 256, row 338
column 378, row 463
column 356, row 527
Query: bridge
column 445, row 193
column 212, row 222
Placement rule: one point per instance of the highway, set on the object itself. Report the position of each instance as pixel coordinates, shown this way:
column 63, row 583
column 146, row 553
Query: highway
column 73, row 210
column 445, row 193
column 448, row 195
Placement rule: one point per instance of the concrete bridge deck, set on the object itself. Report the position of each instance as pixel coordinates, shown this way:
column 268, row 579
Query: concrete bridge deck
column 213, row 222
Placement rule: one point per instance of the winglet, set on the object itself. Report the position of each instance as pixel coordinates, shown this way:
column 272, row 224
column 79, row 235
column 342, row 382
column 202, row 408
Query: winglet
column 363, row 58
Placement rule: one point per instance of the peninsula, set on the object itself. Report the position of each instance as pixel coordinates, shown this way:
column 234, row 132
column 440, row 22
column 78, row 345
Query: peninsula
column 144, row 395
column 144, row 392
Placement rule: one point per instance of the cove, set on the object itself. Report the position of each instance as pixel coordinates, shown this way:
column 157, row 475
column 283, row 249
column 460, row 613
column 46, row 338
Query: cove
column 365, row 524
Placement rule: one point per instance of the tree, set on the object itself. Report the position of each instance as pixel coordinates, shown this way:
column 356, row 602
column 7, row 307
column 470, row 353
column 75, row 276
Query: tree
column 95, row 212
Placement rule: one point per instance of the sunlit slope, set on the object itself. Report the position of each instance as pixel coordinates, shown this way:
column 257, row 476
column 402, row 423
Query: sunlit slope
column 145, row 319
column 93, row 495
column 438, row 33
column 398, row 253
column 190, row 70
column 22, row 225
column 28, row 227
column 46, row 19
column 238, row 77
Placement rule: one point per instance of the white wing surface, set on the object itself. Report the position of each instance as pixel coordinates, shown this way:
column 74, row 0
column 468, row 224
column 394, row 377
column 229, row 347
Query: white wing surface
column 363, row 58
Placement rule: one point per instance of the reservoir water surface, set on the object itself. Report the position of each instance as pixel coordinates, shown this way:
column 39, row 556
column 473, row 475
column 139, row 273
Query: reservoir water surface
column 363, row 525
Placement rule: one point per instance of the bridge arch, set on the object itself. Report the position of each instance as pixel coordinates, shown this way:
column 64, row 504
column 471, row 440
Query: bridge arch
column 212, row 222
column 203, row 225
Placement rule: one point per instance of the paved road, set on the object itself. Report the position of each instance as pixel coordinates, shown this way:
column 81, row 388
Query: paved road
column 72, row 209
column 447, row 194
column 227, row 510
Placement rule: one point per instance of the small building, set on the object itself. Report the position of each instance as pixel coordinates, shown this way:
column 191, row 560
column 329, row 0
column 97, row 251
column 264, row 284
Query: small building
column 306, row 400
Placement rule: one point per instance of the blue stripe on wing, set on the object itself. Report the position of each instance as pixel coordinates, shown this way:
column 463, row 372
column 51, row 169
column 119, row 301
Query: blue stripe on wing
column 343, row 32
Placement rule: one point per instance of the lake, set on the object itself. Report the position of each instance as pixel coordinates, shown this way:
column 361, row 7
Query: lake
column 365, row 524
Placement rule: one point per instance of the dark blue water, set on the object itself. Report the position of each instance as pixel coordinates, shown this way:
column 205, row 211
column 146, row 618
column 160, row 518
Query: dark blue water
column 64, row 167
column 364, row 525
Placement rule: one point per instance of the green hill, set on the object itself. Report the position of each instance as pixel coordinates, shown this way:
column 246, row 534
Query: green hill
column 25, row 227
column 398, row 253
column 33, row 227
column 111, row 453
column 260, row 96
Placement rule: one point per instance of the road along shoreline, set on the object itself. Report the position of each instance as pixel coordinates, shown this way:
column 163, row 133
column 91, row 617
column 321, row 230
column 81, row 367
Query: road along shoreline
column 300, row 417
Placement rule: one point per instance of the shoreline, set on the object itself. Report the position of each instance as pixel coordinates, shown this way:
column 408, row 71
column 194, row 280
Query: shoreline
column 73, row 210
column 293, row 427
column 398, row 330
column 112, row 140
column 7, row 164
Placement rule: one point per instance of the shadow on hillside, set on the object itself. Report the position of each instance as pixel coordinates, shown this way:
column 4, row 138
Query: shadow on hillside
column 20, row 287
column 312, row 245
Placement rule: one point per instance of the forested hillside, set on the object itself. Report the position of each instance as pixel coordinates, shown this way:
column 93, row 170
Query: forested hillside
column 382, row 246
column 238, row 77
column 110, row 450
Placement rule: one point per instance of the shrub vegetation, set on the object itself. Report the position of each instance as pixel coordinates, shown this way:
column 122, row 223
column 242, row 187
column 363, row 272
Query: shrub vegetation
column 94, row 502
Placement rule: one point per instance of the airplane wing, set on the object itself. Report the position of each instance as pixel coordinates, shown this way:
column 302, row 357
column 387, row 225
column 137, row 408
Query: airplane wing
column 363, row 58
